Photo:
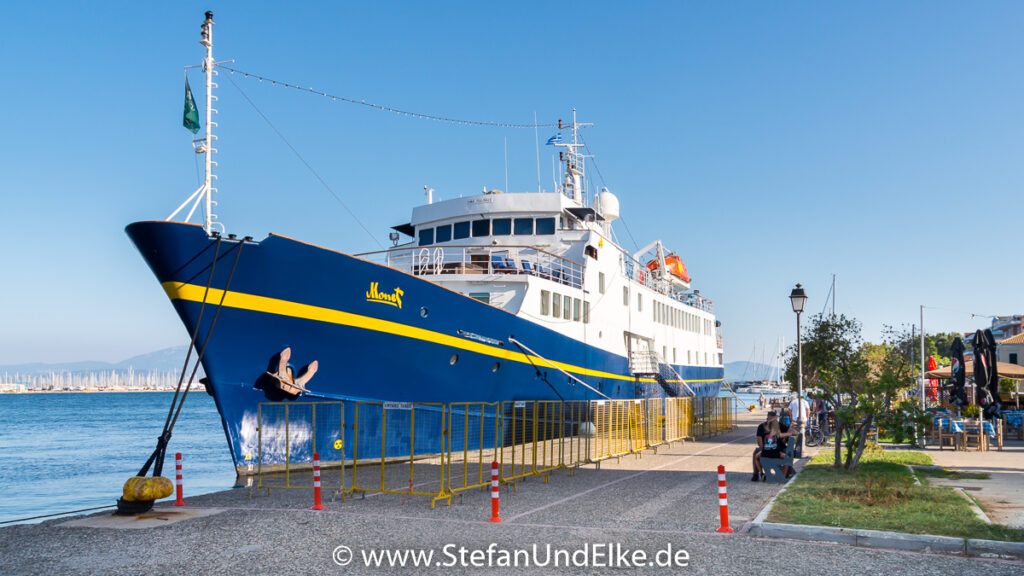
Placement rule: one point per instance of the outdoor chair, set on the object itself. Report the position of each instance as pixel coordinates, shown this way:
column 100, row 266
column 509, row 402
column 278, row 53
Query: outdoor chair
column 503, row 265
column 974, row 436
column 947, row 433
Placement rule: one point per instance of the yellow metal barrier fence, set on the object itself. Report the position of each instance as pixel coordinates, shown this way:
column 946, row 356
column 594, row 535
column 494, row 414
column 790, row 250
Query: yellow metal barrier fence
column 518, row 428
column 438, row 450
column 398, row 448
column 473, row 431
column 289, row 433
column 654, row 422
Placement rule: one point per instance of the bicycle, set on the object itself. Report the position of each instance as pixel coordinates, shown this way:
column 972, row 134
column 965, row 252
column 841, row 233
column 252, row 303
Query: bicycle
column 814, row 436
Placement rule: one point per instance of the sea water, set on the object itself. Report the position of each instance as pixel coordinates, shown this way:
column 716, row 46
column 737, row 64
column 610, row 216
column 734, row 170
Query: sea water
column 64, row 452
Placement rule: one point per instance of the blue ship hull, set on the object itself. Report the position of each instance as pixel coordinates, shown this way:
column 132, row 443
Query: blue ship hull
column 377, row 333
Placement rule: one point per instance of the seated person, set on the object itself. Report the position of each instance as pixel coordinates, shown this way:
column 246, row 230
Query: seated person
column 772, row 441
column 762, row 429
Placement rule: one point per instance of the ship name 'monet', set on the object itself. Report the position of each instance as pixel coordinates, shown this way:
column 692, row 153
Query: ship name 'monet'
column 375, row 295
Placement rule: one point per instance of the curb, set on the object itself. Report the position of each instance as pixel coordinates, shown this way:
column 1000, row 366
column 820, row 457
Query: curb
column 891, row 540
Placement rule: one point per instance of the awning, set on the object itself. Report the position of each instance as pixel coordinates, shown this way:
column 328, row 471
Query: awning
column 1006, row 370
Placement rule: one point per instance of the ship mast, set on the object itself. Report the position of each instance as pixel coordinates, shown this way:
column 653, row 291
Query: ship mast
column 572, row 184
column 208, row 67
column 204, row 194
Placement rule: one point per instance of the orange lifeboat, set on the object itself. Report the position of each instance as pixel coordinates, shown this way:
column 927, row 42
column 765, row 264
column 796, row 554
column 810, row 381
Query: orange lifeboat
column 675, row 267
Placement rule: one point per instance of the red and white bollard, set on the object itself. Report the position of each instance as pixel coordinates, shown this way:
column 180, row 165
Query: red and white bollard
column 177, row 479
column 723, row 502
column 317, row 505
column 495, row 493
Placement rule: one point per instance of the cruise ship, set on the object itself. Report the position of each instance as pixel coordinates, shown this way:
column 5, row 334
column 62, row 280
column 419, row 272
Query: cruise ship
column 488, row 297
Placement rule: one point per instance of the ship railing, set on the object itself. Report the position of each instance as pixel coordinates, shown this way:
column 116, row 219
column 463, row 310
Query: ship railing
column 642, row 276
column 481, row 260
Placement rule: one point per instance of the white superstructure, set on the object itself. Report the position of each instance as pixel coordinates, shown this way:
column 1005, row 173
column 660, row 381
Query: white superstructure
column 550, row 258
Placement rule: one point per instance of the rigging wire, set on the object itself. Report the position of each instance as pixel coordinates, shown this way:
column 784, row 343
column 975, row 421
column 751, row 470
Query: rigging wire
column 303, row 160
column 971, row 314
column 593, row 162
column 384, row 108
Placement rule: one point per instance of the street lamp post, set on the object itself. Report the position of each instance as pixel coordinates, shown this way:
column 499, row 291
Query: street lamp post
column 799, row 299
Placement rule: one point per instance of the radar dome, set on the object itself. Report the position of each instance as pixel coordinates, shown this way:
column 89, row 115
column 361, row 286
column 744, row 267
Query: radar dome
column 608, row 205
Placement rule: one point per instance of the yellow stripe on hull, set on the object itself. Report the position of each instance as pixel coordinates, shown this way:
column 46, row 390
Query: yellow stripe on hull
column 251, row 302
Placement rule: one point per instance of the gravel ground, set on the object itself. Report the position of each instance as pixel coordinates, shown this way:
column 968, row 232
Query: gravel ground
column 647, row 503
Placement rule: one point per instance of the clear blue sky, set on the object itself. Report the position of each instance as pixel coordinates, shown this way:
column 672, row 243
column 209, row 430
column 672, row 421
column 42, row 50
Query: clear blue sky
column 769, row 144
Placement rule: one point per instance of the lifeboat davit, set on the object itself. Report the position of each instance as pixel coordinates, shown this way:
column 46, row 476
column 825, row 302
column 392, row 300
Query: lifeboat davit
column 674, row 265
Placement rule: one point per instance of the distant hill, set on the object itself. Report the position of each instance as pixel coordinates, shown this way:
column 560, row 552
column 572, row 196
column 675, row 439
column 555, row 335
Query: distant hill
column 742, row 370
column 165, row 359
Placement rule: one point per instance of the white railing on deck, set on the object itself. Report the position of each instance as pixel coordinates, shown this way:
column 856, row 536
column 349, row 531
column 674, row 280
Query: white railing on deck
column 639, row 274
column 505, row 260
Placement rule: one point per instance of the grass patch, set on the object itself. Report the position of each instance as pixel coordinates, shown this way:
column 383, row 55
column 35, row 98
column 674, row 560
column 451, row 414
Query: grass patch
column 875, row 454
column 950, row 474
column 881, row 495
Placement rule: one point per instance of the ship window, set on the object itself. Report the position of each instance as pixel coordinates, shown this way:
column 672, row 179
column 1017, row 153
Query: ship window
column 545, row 302
column 639, row 302
column 719, row 358
column 590, row 251
column 523, row 226
column 426, row 236
column 545, row 225
column 444, row 233
column 689, row 356
column 664, row 351
column 484, row 297
column 461, row 230
column 566, row 307
column 625, row 295
column 556, row 305
column 673, row 355
column 586, row 315
column 481, row 228
column 576, row 309
column 600, row 282
column 501, row 226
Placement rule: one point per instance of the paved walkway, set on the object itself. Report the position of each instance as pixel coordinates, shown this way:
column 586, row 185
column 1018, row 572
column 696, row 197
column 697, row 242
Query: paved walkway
column 1002, row 495
column 650, row 503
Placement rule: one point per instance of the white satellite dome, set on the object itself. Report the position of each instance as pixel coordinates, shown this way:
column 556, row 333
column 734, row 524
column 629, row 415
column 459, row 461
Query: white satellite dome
column 608, row 205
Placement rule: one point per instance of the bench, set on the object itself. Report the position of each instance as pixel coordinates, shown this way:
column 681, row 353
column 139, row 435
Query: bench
column 773, row 468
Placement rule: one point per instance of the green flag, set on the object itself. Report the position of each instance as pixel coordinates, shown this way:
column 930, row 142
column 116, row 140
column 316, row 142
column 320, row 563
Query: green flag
column 191, row 118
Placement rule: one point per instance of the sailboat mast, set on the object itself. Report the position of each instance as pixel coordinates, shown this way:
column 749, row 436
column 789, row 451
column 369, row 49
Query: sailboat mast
column 208, row 67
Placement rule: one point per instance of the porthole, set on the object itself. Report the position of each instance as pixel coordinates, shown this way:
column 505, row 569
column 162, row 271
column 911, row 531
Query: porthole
column 453, row 359
column 496, row 366
column 424, row 312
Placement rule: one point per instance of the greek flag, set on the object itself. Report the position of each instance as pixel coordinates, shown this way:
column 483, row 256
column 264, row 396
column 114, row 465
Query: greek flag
column 556, row 139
